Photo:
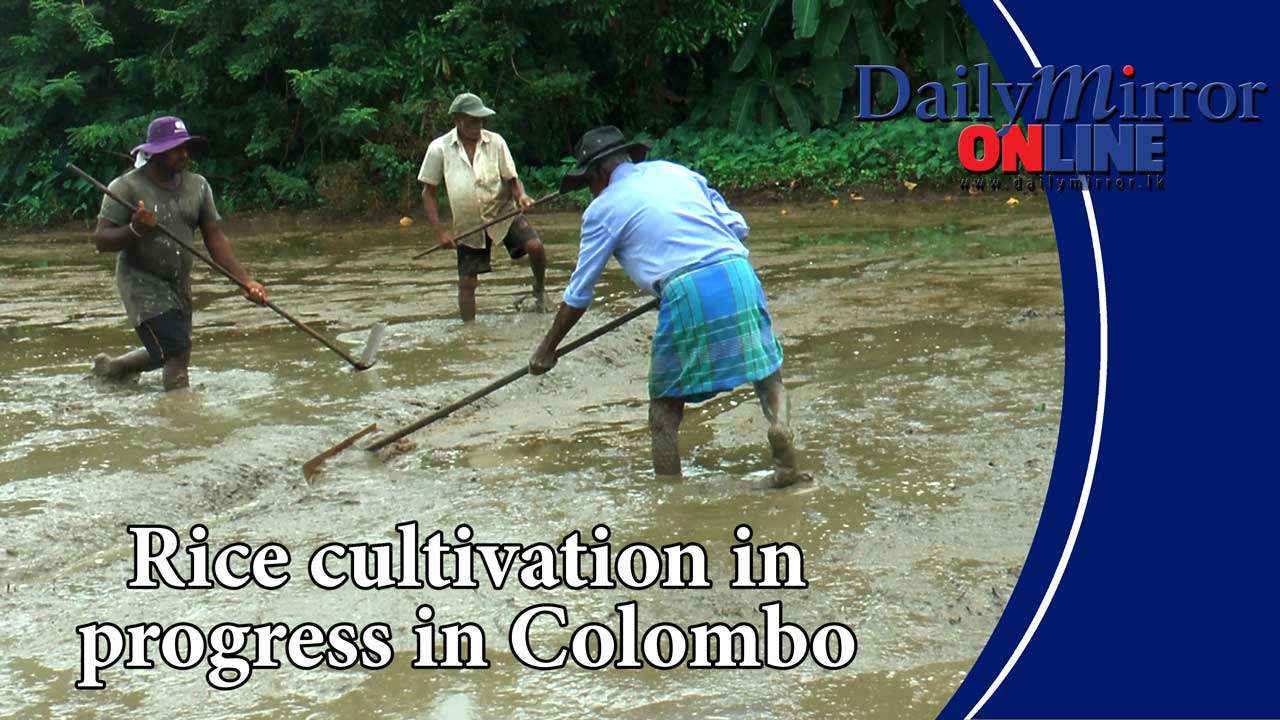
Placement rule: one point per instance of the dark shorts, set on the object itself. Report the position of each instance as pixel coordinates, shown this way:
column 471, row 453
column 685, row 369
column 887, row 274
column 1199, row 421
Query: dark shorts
column 165, row 336
column 473, row 261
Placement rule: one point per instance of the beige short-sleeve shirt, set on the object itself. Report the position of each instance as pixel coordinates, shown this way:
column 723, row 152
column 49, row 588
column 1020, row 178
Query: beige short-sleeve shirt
column 479, row 191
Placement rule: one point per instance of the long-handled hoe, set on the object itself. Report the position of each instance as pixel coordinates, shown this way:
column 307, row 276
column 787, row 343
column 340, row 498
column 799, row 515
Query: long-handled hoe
column 489, row 224
column 367, row 358
column 313, row 465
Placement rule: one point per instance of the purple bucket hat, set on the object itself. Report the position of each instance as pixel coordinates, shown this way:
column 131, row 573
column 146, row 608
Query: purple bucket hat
column 167, row 133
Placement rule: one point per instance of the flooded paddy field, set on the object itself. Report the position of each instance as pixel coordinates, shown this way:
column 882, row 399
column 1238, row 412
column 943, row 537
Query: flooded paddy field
column 924, row 354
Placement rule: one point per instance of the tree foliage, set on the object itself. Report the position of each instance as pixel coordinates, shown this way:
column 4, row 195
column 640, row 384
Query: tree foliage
column 308, row 101
column 793, row 65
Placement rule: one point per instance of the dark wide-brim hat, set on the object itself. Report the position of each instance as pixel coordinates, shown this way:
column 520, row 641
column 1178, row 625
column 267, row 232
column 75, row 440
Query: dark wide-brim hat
column 166, row 133
column 594, row 145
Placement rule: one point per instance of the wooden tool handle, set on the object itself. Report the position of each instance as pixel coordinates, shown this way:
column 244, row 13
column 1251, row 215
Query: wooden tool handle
column 489, row 224
column 510, row 377
column 225, row 272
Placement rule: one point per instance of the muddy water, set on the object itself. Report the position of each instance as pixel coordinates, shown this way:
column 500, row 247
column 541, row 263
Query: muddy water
column 923, row 348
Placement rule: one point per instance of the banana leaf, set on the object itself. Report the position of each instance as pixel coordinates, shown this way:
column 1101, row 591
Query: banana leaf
column 804, row 17
column 797, row 117
column 742, row 109
column 747, row 50
column 835, row 24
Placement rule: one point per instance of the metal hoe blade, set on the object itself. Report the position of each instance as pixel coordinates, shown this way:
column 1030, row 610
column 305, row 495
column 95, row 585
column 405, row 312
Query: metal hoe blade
column 376, row 336
column 310, row 467
column 370, row 355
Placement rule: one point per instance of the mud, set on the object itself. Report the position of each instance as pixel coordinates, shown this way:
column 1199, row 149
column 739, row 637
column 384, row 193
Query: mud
column 924, row 356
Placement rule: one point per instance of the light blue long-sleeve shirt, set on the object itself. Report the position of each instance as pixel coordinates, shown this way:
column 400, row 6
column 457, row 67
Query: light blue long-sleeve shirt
column 655, row 217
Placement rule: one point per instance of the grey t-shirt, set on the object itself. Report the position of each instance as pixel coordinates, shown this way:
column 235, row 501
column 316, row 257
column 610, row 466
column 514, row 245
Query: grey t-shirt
column 153, row 274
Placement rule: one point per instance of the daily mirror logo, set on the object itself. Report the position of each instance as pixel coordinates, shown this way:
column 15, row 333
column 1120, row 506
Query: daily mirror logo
column 1109, row 125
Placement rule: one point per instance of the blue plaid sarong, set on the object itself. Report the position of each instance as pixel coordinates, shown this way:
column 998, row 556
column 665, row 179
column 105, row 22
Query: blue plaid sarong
column 714, row 332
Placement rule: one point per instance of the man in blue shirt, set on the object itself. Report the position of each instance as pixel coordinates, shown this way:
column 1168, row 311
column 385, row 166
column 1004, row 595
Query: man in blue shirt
column 678, row 239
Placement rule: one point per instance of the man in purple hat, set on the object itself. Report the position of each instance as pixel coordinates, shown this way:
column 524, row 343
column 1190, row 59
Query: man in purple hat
column 153, row 274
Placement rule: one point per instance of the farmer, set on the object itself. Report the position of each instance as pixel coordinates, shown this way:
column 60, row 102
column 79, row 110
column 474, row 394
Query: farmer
column 153, row 275
column 477, row 170
column 676, row 237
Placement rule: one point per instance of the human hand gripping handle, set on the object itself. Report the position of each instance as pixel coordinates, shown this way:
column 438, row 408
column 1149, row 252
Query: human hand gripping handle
column 445, row 239
column 255, row 292
column 544, row 357
column 143, row 222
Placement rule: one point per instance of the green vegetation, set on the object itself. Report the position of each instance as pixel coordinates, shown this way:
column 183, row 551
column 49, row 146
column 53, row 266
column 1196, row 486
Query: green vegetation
column 332, row 103
column 825, row 159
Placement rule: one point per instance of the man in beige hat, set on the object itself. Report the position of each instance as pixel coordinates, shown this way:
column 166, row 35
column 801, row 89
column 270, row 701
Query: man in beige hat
column 480, row 176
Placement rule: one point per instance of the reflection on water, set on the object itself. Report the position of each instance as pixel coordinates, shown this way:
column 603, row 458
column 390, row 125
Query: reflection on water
column 924, row 353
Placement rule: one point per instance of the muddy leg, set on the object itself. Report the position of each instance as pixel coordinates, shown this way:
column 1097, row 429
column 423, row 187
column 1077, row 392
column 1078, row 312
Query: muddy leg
column 777, row 410
column 175, row 372
column 467, row 297
column 665, row 415
column 119, row 368
column 538, row 264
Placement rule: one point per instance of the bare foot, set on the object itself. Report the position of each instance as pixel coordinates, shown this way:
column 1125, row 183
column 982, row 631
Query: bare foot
column 105, row 369
column 532, row 303
column 783, row 478
column 102, row 366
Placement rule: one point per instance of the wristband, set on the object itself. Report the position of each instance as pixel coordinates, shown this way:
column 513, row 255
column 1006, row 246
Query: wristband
column 134, row 230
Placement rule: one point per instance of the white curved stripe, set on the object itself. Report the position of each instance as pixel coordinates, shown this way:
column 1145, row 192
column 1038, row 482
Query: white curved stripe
column 1031, row 54
column 1089, row 470
column 1097, row 420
